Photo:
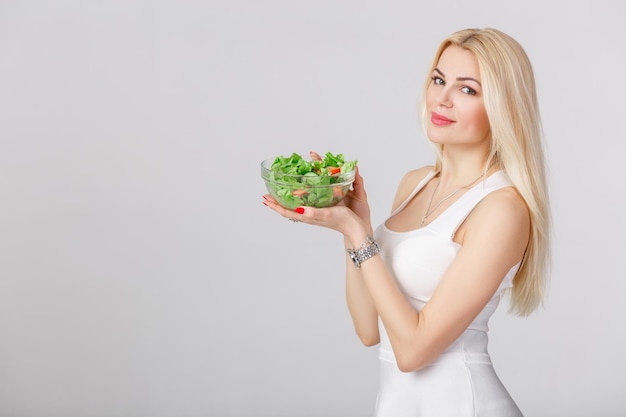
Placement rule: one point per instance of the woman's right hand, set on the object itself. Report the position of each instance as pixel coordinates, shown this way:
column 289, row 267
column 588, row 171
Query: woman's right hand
column 356, row 199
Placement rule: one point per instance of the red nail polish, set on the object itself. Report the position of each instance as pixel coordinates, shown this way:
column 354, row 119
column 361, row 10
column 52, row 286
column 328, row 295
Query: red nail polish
column 264, row 203
column 299, row 210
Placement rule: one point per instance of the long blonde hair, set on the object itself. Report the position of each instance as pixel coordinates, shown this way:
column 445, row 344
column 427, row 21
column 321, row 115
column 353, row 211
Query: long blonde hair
column 510, row 100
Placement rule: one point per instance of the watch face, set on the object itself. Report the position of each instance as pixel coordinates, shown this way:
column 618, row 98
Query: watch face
column 355, row 259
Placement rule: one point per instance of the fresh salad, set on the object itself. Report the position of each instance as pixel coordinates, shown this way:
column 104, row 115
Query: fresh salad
column 318, row 182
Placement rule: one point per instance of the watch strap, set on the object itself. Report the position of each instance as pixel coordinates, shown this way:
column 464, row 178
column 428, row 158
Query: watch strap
column 368, row 249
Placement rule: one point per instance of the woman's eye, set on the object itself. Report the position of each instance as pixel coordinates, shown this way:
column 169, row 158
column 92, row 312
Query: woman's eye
column 468, row 90
column 438, row 80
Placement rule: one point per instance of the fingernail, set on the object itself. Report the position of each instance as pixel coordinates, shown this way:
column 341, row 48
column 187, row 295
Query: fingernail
column 264, row 197
column 264, row 203
column 299, row 210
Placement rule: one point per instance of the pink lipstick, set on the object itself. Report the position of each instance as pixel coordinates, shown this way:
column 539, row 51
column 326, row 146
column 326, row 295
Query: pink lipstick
column 440, row 120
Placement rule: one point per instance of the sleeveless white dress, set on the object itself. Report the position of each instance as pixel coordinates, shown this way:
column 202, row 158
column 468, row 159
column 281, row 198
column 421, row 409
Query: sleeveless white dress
column 461, row 381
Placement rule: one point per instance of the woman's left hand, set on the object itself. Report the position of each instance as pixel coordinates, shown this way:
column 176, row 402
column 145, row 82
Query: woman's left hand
column 339, row 217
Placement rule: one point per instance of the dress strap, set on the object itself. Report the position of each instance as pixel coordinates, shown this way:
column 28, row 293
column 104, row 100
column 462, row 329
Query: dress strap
column 417, row 188
column 448, row 222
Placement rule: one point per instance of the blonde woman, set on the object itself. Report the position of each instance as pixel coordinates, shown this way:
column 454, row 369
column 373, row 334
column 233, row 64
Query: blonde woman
column 461, row 233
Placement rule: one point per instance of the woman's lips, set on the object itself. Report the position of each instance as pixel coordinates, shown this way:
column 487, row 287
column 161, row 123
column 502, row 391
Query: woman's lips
column 440, row 120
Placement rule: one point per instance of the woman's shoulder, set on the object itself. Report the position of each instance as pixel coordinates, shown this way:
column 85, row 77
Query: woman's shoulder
column 503, row 210
column 409, row 181
column 417, row 175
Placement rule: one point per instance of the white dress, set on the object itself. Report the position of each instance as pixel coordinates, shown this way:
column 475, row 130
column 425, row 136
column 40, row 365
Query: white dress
column 461, row 381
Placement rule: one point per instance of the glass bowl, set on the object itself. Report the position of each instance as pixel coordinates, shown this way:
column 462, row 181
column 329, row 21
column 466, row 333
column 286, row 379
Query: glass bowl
column 291, row 191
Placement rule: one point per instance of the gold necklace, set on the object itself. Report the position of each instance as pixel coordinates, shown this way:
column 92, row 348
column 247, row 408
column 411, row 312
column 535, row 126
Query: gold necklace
column 429, row 211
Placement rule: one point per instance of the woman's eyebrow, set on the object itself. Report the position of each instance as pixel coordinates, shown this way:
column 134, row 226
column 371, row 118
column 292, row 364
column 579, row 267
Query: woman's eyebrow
column 469, row 79
column 459, row 78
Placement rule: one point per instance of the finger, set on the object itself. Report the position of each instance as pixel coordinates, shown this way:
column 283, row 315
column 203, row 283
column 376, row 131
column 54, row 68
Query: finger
column 268, row 197
column 357, row 175
column 357, row 185
column 271, row 202
column 315, row 156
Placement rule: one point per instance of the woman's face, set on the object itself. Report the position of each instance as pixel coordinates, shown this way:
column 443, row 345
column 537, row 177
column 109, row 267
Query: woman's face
column 454, row 101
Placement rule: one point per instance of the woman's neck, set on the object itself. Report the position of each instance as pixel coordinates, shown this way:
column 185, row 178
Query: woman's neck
column 459, row 172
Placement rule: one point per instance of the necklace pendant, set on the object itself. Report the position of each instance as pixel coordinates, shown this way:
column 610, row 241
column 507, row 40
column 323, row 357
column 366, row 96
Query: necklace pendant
column 423, row 220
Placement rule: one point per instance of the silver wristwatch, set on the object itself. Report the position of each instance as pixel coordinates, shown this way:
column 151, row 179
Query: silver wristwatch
column 368, row 249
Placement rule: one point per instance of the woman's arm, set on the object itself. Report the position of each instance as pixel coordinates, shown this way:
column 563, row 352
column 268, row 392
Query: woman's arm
column 360, row 303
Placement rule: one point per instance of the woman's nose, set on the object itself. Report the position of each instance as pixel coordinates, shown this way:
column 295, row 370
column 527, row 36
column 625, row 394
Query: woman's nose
column 443, row 97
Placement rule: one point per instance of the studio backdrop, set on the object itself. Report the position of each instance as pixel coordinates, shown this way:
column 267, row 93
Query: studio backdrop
column 140, row 273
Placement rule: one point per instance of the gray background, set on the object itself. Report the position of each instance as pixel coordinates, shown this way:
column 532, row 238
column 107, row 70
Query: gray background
column 140, row 275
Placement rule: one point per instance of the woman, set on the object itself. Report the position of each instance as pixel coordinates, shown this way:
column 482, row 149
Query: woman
column 460, row 234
